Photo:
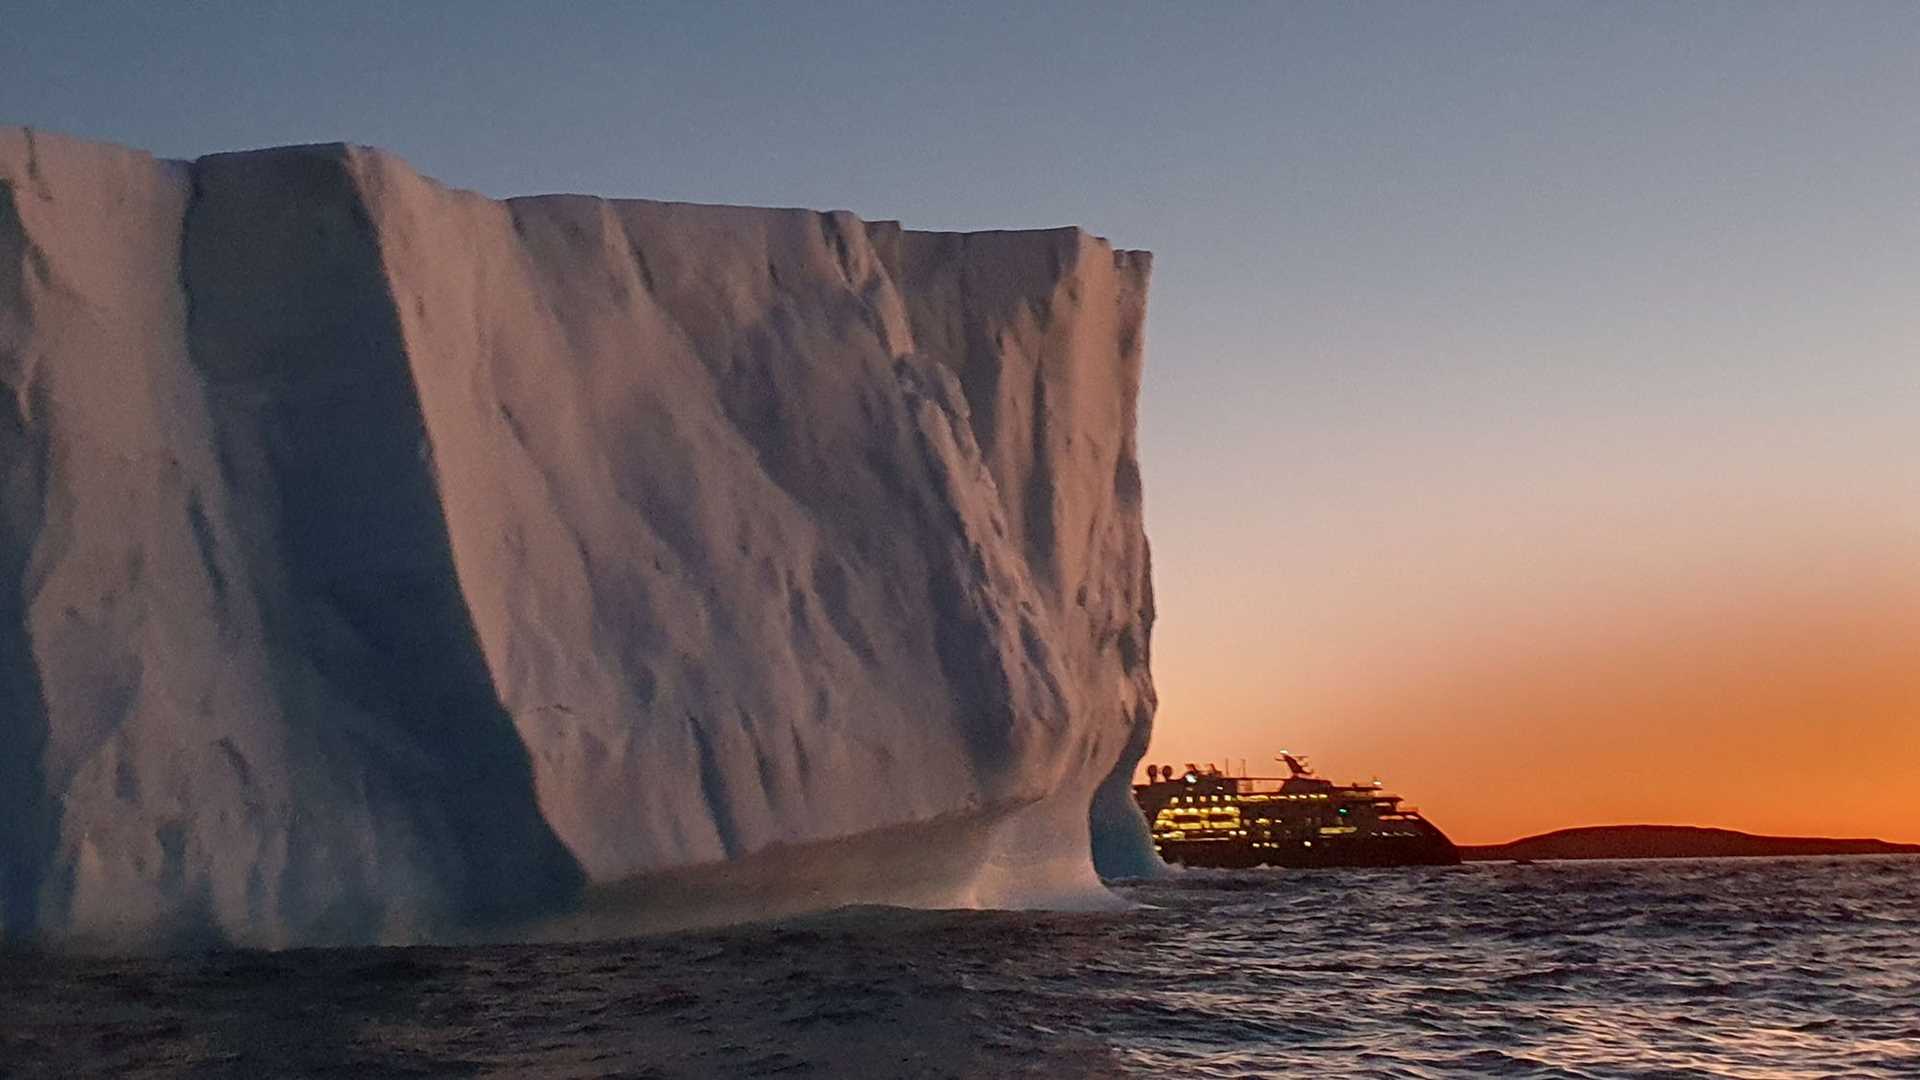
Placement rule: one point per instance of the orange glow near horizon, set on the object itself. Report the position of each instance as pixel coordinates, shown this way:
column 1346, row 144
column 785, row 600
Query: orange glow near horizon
column 1798, row 721
column 1728, row 667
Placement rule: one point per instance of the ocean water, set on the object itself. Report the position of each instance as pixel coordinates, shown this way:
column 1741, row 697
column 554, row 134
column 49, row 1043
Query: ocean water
column 1709, row 968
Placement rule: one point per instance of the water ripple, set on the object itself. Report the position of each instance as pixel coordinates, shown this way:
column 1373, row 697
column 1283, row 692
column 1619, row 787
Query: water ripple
column 1726, row 969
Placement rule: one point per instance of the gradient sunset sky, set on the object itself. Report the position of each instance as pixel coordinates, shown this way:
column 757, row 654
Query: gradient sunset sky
column 1533, row 394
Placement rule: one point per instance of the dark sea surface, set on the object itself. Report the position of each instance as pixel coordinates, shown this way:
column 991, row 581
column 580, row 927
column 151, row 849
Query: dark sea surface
column 1721, row 968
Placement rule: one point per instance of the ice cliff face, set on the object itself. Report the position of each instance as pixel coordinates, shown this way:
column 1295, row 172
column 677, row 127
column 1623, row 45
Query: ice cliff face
column 379, row 561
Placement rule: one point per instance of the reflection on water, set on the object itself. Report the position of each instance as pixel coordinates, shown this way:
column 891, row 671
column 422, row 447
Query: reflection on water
column 1739, row 968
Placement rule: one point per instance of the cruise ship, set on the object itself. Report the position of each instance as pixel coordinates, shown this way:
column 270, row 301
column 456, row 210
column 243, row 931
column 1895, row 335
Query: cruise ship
column 1202, row 817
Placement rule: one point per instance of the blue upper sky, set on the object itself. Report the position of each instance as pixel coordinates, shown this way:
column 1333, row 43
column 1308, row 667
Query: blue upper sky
column 1464, row 315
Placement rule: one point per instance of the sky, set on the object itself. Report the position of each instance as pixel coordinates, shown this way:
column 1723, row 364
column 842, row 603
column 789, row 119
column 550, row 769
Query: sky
column 1533, row 389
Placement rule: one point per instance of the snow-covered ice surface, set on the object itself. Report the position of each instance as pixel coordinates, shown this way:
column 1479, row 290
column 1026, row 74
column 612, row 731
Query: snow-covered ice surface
column 384, row 563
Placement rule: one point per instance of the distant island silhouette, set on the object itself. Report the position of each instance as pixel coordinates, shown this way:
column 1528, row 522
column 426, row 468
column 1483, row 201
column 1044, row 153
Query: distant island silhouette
column 1671, row 842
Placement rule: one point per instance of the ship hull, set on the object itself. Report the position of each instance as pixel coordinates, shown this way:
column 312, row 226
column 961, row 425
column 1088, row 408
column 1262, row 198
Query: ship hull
column 1356, row 852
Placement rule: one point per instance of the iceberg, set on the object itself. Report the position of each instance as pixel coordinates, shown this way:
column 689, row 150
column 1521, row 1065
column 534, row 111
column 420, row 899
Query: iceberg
column 380, row 562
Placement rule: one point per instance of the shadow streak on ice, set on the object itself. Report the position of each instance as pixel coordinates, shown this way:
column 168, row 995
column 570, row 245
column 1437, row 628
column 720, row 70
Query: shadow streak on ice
column 386, row 563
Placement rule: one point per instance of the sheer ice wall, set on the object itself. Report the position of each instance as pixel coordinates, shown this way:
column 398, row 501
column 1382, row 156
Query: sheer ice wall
column 379, row 561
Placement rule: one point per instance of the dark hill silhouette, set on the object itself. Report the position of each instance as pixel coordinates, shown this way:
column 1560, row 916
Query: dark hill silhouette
column 1671, row 842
